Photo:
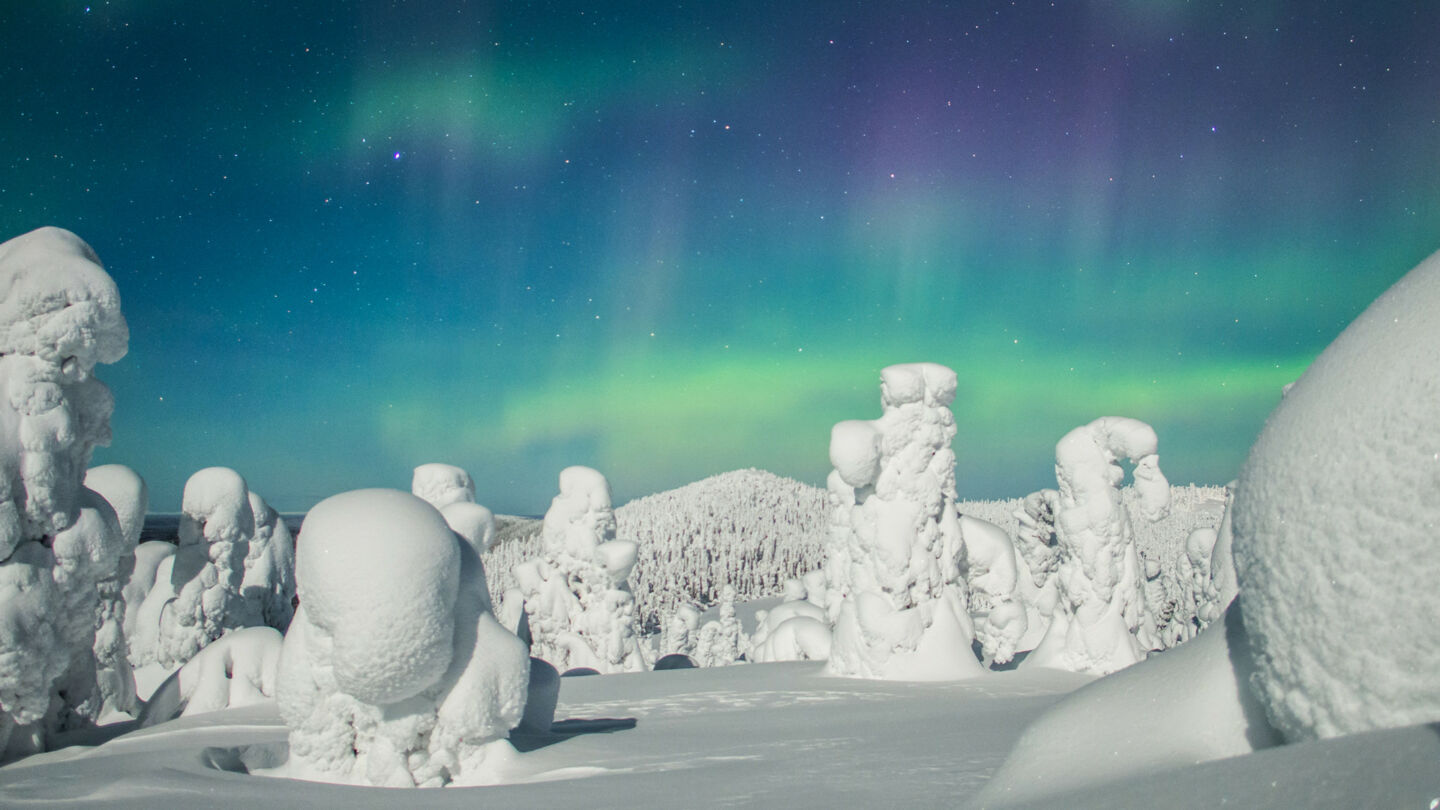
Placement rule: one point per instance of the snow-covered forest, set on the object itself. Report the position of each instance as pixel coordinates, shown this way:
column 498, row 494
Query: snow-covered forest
column 1113, row 640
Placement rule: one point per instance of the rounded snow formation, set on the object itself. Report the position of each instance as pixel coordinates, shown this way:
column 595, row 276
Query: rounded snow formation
column 855, row 450
column 442, row 485
column 1334, row 524
column 378, row 571
column 216, row 508
column 57, row 303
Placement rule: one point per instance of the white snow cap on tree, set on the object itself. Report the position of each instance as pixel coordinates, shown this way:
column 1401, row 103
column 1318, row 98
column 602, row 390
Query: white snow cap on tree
column 581, row 612
column 442, row 485
column 895, row 588
column 394, row 671
column 992, row 572
column 59, row 317
column 1334, row 524
column 1101, row 584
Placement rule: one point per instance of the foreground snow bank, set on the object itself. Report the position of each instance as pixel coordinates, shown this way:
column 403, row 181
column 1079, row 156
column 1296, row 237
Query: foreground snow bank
column 394, row 671
column 1188, row 705
column 59, row 317
column 1335, row 522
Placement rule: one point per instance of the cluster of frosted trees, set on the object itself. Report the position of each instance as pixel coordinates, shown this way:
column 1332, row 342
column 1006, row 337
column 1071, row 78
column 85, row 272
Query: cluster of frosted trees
column 748, row 529
column 82, row 604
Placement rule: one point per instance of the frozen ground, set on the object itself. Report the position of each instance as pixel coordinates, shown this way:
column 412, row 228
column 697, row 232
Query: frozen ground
column 761, row 735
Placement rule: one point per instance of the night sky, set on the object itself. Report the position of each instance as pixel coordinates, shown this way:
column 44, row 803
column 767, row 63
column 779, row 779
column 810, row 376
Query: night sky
column 668, row 240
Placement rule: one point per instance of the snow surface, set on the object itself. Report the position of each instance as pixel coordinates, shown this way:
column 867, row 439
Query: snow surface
column 1335, row 522
column 767, row 735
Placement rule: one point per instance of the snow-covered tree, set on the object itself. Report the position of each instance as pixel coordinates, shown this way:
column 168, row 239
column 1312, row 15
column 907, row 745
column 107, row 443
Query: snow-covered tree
column 268, row 584
column 1101, row 598
column 1039, row 562
column 127, row 494
column 895, row 583
column 993, row 574
column 197, row 593
column 394, row 671
column 59, row 317
column 580, row 609
column 722, row 641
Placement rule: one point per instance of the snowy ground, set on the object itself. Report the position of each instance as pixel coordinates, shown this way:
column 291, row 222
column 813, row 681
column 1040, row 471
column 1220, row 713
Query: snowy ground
column 761, row 735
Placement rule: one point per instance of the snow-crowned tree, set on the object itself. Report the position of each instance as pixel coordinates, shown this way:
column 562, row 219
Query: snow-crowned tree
column 1101, row 599
column 59, row 317
column 127, row 494
column 197, row 593
column 394, row 671
column 901, row 610
column 722, row 641
column 581, row 612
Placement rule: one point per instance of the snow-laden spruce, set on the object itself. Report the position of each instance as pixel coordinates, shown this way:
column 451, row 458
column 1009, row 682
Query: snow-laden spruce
column 125, row 491
column 580, row 610
column 1100, row 579
column 897, row 597
column 394, row 671
column 59, row 317
column 1334, row 527
column 749, row 529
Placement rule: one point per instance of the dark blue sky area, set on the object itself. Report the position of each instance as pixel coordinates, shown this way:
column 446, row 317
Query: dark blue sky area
column 669, row 239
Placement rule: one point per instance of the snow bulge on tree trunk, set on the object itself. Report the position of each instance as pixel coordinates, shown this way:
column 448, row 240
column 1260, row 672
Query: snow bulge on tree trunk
column 59, row 317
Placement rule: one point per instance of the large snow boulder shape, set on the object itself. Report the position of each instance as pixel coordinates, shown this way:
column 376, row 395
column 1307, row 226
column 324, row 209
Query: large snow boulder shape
column 1335, row 521
column 394, row 671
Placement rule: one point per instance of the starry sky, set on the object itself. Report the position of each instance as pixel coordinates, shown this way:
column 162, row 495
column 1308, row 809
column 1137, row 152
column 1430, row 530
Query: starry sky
column 671, row 239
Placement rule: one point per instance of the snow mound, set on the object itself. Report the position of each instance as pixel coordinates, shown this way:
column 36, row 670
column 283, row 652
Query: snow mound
column 126, row 493
column 394, row 671
column 1170, row 711
column 473, row 522
column 237, row 669
column 1335, row 520
column 442, row 484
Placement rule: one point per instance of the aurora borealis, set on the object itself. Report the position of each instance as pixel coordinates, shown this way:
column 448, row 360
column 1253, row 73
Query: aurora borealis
column 669, row 239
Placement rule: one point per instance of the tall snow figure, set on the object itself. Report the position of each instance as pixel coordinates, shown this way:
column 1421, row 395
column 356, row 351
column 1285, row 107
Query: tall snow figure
column 895, row 587
column 1100, row 578
column 580, row 609
column 268, row 585
column 395, row 672
column 59, row 317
